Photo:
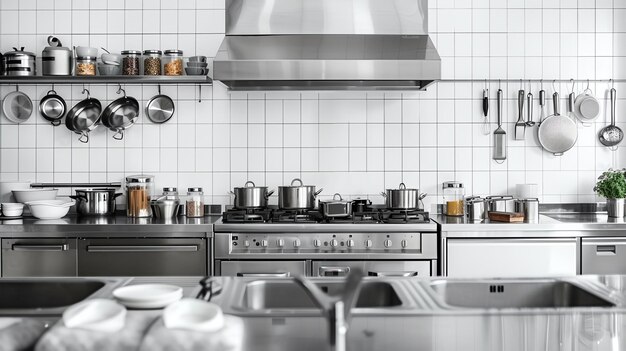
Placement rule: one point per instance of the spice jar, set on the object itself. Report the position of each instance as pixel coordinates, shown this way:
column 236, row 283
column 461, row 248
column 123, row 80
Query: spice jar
column 152, row 62
column 173, row 63
column 139, row 190
column 86, row 66
column 453, row 195
column 130, row 62
column 171, row 193
column 195, row 202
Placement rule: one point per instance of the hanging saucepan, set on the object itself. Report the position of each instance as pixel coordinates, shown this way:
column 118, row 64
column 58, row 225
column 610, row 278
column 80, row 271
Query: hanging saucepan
column 160, row 108
column 297, row 197
column 250, row 196
column 17, row 106
column 52, row 107
column 121, row 114
column 402, row 198
column 84, row 117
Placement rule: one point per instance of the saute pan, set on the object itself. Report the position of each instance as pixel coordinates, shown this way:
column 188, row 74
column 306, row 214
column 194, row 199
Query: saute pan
column 53, row 108
column 121, row 114
column 84, row 117
column 160, row 108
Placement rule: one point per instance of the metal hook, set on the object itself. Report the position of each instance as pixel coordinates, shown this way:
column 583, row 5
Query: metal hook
column 17, row 88
column 541, row 83
column 587, row 84
column 553, row 85
column 486, row 85
column 86, row 90
column 159, row 89
column 612, row 83
column 199, row 93
column 119, row 89
column 573, row 84
column 521, row 84
column 499, row 83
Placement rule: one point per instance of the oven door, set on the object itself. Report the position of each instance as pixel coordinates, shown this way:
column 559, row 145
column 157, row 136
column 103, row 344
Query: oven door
column 261, row 268
column 373, row 268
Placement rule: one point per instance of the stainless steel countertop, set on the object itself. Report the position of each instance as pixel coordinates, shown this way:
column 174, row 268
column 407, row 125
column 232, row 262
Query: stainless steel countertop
column 323, row 227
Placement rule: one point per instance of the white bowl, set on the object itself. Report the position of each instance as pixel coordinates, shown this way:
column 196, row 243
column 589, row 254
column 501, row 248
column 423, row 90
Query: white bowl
column 6, row 187
column 12, row 209
column 84, row 51
column 97, row 314
column 193, row 314
column 28, row 195
column 49, row 209
column 113, row 58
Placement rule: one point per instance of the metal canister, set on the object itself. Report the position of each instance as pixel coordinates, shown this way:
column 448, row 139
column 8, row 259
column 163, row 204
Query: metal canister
column 503, row 203
column 475, row 207
column 530, row 209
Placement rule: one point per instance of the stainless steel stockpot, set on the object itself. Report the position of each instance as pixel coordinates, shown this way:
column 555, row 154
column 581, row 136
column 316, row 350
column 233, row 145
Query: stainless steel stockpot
column 475, row 208
column 95, row 202
column 251, row 196
column 337, row 207
column 530, row 209
column 504, row 203
column 297, row 197
column 402, row 198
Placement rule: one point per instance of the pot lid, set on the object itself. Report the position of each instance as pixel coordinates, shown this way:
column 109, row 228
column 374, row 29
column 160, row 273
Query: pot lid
column 19, row 53
column 55, row 45
column 250, row 185
column 106, row 190
column 298, row 180
column 402, row 186
column 140, row 178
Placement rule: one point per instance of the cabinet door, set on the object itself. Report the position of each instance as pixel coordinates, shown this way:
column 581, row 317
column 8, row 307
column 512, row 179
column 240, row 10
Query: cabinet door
column 39, row 257
column 511, row 257
column 142, row 257
column 262, row 268
column 603, row 256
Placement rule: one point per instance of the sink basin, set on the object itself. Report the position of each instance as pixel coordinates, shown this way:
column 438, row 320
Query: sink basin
column 516, row 294
column 20, row 294
column 285, row 294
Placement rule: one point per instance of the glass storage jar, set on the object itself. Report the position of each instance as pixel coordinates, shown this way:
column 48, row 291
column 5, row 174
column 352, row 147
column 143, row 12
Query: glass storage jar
column 152, row 62
column 130, row 62
column 195, row 202
column 453, row 196
column 173, row 63
column 86, row 66
column 139, row 191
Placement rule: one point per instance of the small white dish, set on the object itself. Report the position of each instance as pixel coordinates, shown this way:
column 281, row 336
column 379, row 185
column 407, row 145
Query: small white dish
column 193, row 314
column 148, row 295
column 97, row 314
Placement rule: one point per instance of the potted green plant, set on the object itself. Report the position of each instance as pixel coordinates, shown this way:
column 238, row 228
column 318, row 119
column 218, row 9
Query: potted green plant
column 612, row 185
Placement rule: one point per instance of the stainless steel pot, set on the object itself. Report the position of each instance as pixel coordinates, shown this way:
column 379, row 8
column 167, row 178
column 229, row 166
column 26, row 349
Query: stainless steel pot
column 165, row 207
column 504, row 203
column 19, row 63
column 403, row 198
column 251, row 196
column 56, row 60
column 337, row 207
column 297, row 197
column 530, row 209
column 95, row 202
column 475, row 208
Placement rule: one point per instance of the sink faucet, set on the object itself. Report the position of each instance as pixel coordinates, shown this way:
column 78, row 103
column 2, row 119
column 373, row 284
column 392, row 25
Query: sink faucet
column 336, row 308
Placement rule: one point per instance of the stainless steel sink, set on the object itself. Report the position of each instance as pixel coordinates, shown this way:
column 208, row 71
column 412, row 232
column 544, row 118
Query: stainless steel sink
column 285, row 294
column 519, row 293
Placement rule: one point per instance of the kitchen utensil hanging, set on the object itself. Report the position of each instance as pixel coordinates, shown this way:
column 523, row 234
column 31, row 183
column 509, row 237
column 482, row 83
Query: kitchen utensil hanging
column 84, row 117
column 586, row 107
column 611, row 135
column 499, row 135
column 17, row 106
column 52, row 108
column 486, row 130
column 557, row 133
column 529, row 106
column 520, row 125
column 120, row 114
column 160, row 108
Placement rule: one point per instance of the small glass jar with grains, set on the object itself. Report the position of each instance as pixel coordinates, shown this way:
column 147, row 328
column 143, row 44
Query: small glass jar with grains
column 173, row 63
column 85, row 66
column 152, row 62
column 195, row 202
column 139, row 191
column 453, row 197
column 130, row 62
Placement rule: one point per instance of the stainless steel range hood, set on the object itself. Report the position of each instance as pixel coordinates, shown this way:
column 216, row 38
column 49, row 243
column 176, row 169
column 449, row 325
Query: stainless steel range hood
column 327, row 45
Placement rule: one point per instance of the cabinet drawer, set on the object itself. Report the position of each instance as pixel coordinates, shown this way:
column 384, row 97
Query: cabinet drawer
column 142, row 257
column 262, row 268
column 372, row 268
column 38, row 257
column 603, row 256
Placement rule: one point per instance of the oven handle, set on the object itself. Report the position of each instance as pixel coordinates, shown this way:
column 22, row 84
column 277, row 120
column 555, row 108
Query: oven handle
column 333, row 271
column 264, row 275
column 392, row 274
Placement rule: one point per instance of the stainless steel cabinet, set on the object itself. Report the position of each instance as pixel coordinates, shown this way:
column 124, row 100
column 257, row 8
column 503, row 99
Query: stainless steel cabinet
column 39, row 257
column 603, row 256
column 142, row 257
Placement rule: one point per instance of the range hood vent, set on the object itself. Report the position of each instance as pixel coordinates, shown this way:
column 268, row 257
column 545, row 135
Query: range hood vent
column 327, row 45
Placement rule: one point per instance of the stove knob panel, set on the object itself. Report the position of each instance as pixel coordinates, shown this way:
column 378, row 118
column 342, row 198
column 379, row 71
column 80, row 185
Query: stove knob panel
column 388, row 243
column 264, row 243
column 280, row 242
column 368, row 243
column 296, row 243
column 334, row 243
column 317, row 243
column 350, row 243
column 246, row 243
column 403, row 243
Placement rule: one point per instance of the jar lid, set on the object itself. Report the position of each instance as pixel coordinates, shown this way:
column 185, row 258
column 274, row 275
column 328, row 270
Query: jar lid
column 194, row 189
column 101, row 190
column 170, row 189
column 90, row 58
column 152, row 52
column 131, row 52
column 452, row 185
column 174, row 52
column 56, row 48
column 140, row 178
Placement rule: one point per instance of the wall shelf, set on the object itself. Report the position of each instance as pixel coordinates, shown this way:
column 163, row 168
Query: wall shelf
column 71, row 80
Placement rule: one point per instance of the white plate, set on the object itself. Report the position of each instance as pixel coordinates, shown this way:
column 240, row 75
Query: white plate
column 97, row 314
column 148, row 295
column 193, row 314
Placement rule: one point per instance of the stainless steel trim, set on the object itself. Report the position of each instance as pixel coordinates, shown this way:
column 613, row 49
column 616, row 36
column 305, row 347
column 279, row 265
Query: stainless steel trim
column 264, row 275
column 323, row 227
column 76, row 185
column 35, row 247
column 141, row 248
column 393, row 274
column 60, row 80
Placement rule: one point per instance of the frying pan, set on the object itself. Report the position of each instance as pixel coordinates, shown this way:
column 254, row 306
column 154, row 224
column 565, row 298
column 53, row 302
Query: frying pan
column 160, row 108
column 121, row 114
column 557, row 133
column 84, row 117
column 52, row 107
column 17, row 106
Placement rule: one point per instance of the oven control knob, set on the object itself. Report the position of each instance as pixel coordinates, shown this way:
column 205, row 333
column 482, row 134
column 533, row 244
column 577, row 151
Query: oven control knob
column 296, row 243
column 246, row 243
column 317, row 243
column 388, row 243
column 403, row 243
column 280, row 242
column 334, row 243
column 350, row 243
column 264, row 243
column 368, row 243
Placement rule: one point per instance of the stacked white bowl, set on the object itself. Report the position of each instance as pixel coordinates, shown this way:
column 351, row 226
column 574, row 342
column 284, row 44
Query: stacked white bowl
column 12, row 209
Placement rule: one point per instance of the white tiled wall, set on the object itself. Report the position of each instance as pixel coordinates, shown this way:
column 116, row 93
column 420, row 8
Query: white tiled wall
column 355, row 143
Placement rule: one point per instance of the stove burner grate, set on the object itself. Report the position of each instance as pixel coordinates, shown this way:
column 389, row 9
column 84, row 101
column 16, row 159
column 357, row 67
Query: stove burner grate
column 247, row 216
column 303, row 216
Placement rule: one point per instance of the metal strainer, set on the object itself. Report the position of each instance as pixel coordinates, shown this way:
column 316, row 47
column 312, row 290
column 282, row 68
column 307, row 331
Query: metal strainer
column 611, row 135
